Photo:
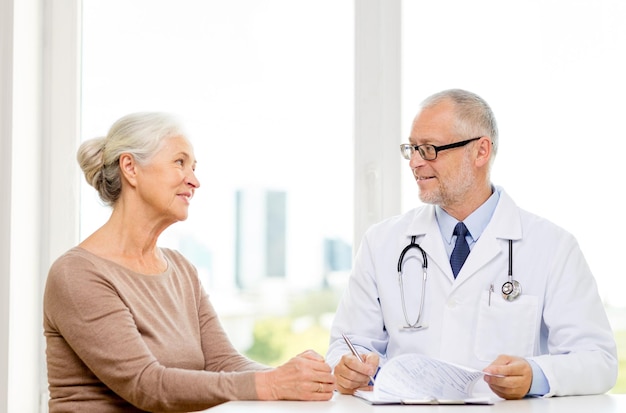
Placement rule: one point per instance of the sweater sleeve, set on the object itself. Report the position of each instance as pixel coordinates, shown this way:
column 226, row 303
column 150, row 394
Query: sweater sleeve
column 92, row 336
column 219, row 353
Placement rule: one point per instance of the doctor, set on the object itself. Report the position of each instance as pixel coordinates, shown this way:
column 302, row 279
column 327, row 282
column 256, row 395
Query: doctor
column 524, row 303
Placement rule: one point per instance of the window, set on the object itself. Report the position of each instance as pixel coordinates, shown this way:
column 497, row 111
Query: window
column 267, row 99
column 553, row 73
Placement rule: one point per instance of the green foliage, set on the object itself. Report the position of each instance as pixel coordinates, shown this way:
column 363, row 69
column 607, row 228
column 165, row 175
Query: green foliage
column 270, row 334
column 278, row 339
column 315, row 303
column 620, row 338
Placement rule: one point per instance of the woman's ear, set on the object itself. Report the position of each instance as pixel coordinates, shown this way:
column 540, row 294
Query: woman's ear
column 128, row 168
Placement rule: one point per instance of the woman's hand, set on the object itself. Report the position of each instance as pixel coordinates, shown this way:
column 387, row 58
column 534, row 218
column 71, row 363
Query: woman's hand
column 304, row 377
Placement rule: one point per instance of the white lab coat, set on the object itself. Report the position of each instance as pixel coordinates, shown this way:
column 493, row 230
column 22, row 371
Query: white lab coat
column 558, row 321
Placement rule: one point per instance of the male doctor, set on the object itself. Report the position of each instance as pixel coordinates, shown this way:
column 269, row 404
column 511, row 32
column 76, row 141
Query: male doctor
column 523, row 304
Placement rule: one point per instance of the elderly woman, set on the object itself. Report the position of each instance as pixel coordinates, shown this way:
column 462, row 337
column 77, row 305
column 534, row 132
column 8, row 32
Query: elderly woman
column 128, row 325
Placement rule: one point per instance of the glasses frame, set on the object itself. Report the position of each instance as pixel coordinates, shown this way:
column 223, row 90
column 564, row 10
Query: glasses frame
column 416, row 148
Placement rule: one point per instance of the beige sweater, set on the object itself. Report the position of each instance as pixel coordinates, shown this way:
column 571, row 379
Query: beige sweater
column 118, row 341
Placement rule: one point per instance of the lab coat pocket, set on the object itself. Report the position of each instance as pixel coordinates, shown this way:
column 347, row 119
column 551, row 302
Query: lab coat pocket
column 505, row 327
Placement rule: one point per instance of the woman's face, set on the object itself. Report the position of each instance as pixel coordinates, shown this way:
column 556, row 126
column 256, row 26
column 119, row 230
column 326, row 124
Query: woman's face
column 167, row 182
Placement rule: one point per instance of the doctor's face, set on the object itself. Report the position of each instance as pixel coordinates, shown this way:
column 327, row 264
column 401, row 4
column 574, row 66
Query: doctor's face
column 446, row 180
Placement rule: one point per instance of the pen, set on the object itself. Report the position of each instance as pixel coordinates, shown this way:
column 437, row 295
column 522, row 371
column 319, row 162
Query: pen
column 353, row 350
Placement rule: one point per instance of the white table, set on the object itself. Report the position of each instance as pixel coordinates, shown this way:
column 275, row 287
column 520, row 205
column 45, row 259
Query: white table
column 348, row 404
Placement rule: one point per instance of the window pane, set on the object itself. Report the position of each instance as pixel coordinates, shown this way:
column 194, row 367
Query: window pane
column 267, row 99
column 553, row 73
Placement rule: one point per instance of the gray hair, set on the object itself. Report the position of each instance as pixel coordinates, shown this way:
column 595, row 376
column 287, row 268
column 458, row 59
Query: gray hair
column 474, row 117
column 138, row 134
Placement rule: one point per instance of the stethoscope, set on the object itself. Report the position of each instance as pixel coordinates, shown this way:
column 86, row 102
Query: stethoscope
column 511, row 289
column 416, row 325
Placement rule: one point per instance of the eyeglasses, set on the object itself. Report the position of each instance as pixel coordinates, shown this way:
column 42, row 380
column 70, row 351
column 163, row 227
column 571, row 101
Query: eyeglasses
column 429, row 152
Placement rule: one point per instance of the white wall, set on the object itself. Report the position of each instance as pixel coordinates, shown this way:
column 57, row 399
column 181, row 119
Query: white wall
column 377, row 112
column 6, row 93
column 24, row 270
column 38, row 206
column 19, row 225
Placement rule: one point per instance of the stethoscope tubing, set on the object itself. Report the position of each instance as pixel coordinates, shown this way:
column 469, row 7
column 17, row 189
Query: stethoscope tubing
column 417, row 324
column 511, row 289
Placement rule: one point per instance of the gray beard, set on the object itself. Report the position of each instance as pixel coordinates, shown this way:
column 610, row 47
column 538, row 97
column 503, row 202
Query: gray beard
column 453, row 192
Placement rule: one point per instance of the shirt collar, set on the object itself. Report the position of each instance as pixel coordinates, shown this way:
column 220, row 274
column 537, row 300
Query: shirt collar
column 476, row 222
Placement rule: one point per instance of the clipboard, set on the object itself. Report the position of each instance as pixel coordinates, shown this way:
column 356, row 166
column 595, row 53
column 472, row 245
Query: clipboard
column 368, row 397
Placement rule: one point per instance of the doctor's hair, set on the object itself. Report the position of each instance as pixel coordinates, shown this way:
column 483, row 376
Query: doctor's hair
column 138, row 134
column 474, row 117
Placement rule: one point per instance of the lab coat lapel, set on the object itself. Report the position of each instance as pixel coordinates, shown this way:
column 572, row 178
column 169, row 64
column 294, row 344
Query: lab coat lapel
column 504, row 225
column 425, row 227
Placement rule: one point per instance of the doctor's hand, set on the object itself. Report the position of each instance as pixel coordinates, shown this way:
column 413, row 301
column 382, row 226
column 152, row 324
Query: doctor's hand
column 518, row 377
column 352, row 374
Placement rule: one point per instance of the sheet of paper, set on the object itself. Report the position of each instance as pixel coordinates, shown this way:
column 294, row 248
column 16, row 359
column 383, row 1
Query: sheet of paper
column 417, row 377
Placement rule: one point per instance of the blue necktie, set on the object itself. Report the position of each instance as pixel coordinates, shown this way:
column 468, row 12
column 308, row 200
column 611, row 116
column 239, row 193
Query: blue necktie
column 461, row 248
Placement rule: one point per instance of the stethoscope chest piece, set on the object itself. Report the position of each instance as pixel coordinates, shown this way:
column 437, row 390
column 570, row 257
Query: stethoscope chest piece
column 511, row 290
